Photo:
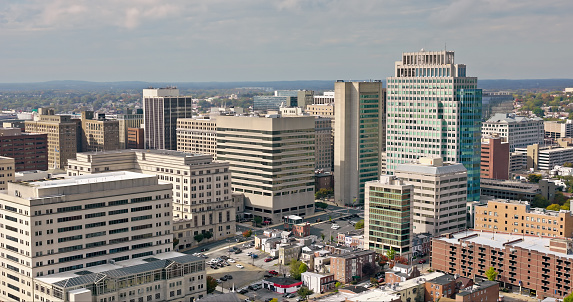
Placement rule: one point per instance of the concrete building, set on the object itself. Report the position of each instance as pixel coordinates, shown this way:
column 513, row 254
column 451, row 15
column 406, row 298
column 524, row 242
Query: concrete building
column 323, row 110
column 324, row 144
column 555, row 130
column 547, row 157
column 318, row 283
column 135, row 138
column 80, row 222
column 29, row 150
column 388, row 219
column 400, row 273
column 494, row 158
column 272, row 162
column 98, row 134
column 516, row 190
column 327, row 97
column 517, row 161
column 513, row 216
column 520, row 131
column 126, row 121
column 348, row 267
column 164, row 277
column 197, row 135
column 439, row 202
column 271, row 102
column 202, row 201
column 161, row 109
column 434, row 110
column 63, row 138
column 541, row 266
column 359, row 138
column 7, row 171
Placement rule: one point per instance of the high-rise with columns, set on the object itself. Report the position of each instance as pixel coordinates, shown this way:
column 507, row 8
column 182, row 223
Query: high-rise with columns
column 434, row 110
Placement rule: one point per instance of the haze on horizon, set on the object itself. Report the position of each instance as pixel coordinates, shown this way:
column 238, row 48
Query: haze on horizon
column 258, row 40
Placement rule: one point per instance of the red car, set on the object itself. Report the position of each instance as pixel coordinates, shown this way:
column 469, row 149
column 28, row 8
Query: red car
column 273, row 272
column 422, row 261
column 268, row 259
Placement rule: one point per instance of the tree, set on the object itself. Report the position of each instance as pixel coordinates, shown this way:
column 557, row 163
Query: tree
column 569, row 298
column 391, row 253
column 559, row 198
column 303, row 292
column 247, row 233
column 175, row 242
column 295, row 268
column 374, row 281
column 321, row 205
column 208, row 235
column 566, row 206
column 359, row 225
column 534, row 178
column 539, row 202
column 258, row 220
column 274, row 300
column 322, row 236
column 491, row 274
column 539, row 112
column 401, row 260
column 211, row 284
column 198, row 237
column 554, row 207
column 322, row 193
column 303, row 268
column 368, row 269
column 331, row 239
column 568, row 165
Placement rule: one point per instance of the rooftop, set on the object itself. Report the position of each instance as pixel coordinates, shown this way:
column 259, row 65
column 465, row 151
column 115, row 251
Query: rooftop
column 85, row 179
column 476, row 287
column 354, row 254
column 510, row 118
column 442, row 280
column 447, row 168
column 152, row 151
column 282, row 280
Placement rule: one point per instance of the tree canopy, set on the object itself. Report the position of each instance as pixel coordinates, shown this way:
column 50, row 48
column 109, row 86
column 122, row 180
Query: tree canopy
column 534, row 178
column 491, row 274
column 211, row 284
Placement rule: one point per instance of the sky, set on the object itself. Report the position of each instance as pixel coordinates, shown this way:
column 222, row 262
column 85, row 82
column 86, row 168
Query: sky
column 277, row 40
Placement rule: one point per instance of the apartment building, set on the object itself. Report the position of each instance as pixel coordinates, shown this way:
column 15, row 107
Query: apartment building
column 272, row 162
column 197, row 135
column 161, row 109
column 287, row 252
column 348, row 266
column 520, row 131
column 388, row 219
column 132, row 119
column 494, row 158
column 202, row 201
column 63, row 139
column 29, row 150
column 7, row 171
column 540, row 266
column 98, row 134
column 514, row 216
column 76, row 223
column 439, row 202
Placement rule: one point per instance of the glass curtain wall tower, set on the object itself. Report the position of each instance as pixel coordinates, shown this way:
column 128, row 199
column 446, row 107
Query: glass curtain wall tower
column 434, row 110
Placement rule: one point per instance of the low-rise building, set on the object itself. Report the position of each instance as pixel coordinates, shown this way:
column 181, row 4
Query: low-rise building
column 400, row 273
column 301, row 230
column 546, row 157
column 282, row 285
column 516, row 190
column 421, row 243
column 558, row 129
column 482, row 291
column 351, row 239
column 318, row 283
column 441, row 287
column 349, row 266
column 287, row 252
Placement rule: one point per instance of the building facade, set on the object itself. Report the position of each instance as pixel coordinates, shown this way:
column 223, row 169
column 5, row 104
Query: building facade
column 547, row 157
column 62, row 225
column 516, row 190
column 388, row 219
column 439, row 202
column 126, row 121
column 202, row 201
column 98, row 134
column 7, row 171
column 326, row 98
column 324, row 144
column 323, row 110
column 135, row 138
column 272, row 162
column 348, row 267
column 161, row 109
column 517, row 217
column 197, row 135
column 359, row 138
column 434, row 110
column 494, row 158
column 29, row 150
column 318, row 283
column 520, row 131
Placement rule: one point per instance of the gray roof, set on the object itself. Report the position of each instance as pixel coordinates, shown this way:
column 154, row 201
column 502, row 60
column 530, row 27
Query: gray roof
column 510, row 118
column 228, row 297
column 428, row 169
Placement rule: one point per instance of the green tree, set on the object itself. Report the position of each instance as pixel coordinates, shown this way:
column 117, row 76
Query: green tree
column 566, row 206
column 303, row 292
column 391, row 253
column 321, row 205
column 322, row 236
column 208, row 235
column 303, row 268
column 539, row 202
column 534, row 178
column 374, row 281
column 331, row 239
column 559, row 198
column 359, row 225
column 211, row 284
column 569, row 298
column 568, row 165
column 554, row 207
column 199, row 237
column 539, row 112
column 491, row 274
column 258, row 220
column 295, row 268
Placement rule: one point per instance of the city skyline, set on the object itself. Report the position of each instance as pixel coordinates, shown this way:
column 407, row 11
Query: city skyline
column 255, row 40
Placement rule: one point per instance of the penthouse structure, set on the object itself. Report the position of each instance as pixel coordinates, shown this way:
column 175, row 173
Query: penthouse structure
column 202, row 201
column 439, row 201
column 541, row 266
column 326, row 98
column 29, row 150
column 520, row 131
column 62, row 225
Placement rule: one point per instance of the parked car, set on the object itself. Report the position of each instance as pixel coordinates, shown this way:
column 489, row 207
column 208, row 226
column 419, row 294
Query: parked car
column 231, row 260
column 224, row 278
column 268, row 259
column 255, row 256
column 240, row 266
column 204, row 249
column 243, row 291
column 273, row 272
column 238, row 251
column 422, row 261
column 335, row 227
column 229, row 277
column 291, row 295
column 267, row 275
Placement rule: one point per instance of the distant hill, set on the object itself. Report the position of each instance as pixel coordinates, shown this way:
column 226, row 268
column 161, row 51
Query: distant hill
column 541, row 84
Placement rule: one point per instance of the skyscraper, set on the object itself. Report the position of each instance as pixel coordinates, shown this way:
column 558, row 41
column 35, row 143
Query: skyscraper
column 161, row 109
column 359, row 137
column 434, row 109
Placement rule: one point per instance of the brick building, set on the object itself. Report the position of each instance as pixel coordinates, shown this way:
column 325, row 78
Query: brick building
column 301, row 230
column 494, row 158
column 135, row 138
column 347, row 267
column 542, row 265
column 441, row 287
column 317, row 282
column 29, row 150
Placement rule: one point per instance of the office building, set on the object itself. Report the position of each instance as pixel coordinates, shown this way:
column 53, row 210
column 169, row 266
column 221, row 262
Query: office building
column 517, row 190
column 326, row 98
column 202, row 201
column 6, row 171
column 439, row 202
column 517, row 217
column 63, row 136
column 304, row 98
column 272, row 162
column 197, row 135
column 323, row 110
column 135, row 138
column 494, row 158
column 132, row 119
column 387, row 219
column 98, row 134
column 434, row 110
column 540, row 266
column 29, row 150
column 547, row 157
column 349, row 266
column 359, row 138
column 494, row 102
column 273, row 102
column 520, row 131
column 161, row 109
column 62, row 225
column 324, row 144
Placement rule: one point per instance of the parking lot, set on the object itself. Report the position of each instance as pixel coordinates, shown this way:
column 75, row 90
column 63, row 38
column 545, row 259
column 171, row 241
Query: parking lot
column 326, row 228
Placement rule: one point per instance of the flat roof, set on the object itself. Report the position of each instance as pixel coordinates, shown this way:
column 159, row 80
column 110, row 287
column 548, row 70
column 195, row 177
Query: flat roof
column 152, row 151
column 88, row 178
column 447, row 168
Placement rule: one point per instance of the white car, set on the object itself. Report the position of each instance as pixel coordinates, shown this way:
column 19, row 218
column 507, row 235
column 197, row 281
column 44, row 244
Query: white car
column 240, row 266
column 231, row 261
column 335, row 227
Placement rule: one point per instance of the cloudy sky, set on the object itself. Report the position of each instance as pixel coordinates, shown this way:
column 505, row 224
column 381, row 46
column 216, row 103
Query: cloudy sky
column 268, row 40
